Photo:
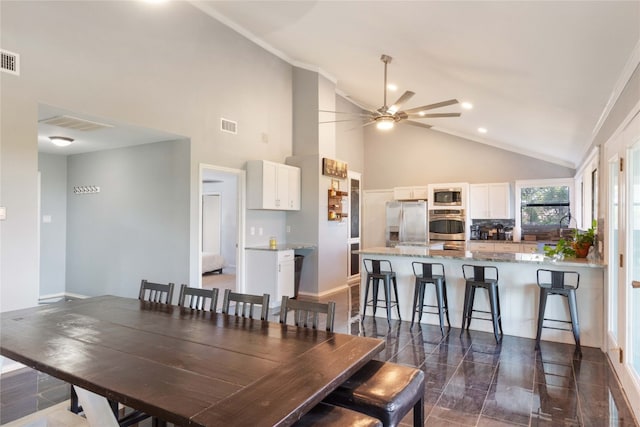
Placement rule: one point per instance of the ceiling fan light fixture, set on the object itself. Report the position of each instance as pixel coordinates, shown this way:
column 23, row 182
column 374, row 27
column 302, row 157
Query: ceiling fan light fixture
column 61, row 141
column 467, row 105
column 392, row 87
column 482, row 130
column 385, row 123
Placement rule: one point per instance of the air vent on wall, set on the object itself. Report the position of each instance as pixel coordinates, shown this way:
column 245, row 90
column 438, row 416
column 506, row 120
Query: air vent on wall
column 9, row 62
column 228, row 126
column 75, row 123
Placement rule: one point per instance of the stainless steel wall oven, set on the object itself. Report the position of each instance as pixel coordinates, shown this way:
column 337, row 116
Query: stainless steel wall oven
column 447, row 225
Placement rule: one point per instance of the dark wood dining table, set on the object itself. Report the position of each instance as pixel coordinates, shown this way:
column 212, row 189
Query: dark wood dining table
column 187, row 367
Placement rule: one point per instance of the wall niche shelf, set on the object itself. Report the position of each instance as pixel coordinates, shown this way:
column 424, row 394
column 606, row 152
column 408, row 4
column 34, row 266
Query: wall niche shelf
column 335, row 206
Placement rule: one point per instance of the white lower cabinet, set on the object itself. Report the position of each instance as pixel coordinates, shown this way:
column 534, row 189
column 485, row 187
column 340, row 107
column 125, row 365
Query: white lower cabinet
column 270, row 272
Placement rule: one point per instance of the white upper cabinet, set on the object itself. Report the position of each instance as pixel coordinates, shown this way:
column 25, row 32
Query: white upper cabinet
column 490, row 201
column 410, row 193
column 272, row 185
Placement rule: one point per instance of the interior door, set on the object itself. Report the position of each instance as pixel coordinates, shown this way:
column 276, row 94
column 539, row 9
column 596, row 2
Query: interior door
column 624, row 259
column 353, row 262
column 211, row 223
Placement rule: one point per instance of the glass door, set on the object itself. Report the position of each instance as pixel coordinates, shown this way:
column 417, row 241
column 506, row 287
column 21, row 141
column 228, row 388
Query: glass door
column 613, row 186
column 633, row 269
column 623, row 241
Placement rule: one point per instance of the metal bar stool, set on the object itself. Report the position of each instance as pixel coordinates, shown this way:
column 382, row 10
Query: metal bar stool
column 424, row 273
column 486, row 277
column 562, row 283
column 380, row 270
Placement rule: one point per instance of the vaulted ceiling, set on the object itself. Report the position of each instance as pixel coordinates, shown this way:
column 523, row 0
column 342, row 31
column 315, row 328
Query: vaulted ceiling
column 540, row 74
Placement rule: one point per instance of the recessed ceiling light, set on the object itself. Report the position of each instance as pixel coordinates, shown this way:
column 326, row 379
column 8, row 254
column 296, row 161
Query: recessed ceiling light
column 482, row 130
column 61, row 141
column 467, row 105
column 392, row 87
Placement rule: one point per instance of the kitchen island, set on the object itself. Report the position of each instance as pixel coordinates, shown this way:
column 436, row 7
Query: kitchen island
column 518, row 291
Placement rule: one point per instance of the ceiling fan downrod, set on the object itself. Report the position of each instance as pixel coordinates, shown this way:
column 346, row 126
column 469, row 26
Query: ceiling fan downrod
column 386, row 59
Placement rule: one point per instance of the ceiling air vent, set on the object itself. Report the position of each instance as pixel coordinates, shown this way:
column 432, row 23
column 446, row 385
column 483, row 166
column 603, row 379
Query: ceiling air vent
column 228, row 126
column 75, row 123
column 9, row 62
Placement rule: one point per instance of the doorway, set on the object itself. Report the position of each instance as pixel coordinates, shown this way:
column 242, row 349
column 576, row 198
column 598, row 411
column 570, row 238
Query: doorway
column 221, row 227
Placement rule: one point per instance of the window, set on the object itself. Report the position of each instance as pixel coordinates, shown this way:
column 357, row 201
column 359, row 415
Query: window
column 545, row 205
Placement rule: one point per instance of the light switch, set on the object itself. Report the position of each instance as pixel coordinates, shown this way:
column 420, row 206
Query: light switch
column 260, row 231
column 252, row 231
column 46, row 219
column 3, row 213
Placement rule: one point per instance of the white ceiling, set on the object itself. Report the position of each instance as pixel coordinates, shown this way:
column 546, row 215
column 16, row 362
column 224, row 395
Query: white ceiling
column 117, row 135
column 539, row 73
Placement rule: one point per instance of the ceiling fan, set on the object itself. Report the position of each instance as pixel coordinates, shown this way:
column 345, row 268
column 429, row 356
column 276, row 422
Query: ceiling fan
column 386, row 116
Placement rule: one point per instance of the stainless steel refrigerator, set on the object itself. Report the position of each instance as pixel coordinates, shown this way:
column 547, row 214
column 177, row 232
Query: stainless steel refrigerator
column 406, row 223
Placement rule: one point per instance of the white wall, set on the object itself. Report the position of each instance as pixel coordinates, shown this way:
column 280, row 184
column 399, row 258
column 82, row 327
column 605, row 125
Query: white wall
column 136, row 227
column 167, row 67
column 409, row 155
column 53, row 234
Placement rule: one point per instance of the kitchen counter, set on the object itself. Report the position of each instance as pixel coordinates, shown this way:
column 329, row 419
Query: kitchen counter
column 282, row 247
column 519, row 291
column 424, row 252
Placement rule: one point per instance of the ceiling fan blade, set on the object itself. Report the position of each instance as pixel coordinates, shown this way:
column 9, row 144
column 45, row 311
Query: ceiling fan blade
column 338, row 121
column 431, row 106
column 346, row 112
column 433, row 115
column 418, row 124
column 404, row 98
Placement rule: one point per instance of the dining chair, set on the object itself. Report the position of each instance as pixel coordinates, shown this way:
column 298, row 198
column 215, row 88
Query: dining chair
column 307, row 313
column 245, row 303
column 197, row 298
column 156, row 292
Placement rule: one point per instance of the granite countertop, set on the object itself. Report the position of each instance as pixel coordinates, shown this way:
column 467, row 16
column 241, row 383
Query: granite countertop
column 282, row 247
column 422, row 252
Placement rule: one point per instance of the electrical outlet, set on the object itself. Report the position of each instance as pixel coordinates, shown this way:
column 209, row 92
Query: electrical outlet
column 260, row 231
column 3, row 213
column 288, row 229
column 252, row 231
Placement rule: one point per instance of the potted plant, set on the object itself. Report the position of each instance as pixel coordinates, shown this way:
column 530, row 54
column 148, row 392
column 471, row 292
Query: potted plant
column 577, row 247
column 583, row 240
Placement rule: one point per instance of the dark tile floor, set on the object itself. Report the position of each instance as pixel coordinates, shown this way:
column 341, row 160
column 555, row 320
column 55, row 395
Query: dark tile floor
column 470, row 380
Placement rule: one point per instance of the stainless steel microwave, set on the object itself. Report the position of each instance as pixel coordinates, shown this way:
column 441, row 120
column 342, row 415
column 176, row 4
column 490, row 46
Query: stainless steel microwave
column 447, row 197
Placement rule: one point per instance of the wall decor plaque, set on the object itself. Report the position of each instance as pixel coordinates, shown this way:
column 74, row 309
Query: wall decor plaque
column 334, row 168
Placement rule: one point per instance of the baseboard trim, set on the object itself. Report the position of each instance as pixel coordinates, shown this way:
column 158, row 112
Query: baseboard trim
column 337, row 289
